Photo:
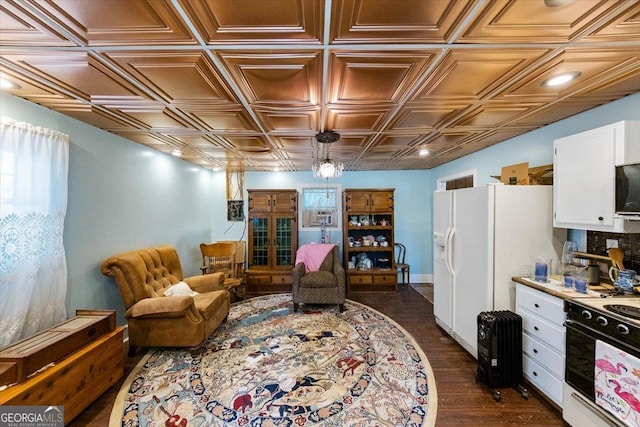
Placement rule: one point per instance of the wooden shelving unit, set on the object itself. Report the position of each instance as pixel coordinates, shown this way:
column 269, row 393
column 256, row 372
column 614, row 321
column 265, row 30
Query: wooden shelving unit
column 364, row 210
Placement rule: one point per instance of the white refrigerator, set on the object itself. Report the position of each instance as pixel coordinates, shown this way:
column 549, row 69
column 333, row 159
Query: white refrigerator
column 484, row 236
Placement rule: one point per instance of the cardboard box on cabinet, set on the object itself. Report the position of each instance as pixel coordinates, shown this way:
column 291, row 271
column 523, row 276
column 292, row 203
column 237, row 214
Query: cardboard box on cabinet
column 522, row 174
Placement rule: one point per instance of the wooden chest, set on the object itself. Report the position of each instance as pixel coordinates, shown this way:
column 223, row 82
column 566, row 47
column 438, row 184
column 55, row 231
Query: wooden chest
column 25, row 357
column 92, row 363
column 76, row 380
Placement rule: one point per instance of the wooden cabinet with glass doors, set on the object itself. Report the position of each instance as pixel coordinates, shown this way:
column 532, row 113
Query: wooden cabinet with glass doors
column 273, row 240
column 368, row 239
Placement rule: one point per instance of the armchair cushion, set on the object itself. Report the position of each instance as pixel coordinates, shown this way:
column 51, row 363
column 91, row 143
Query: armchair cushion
column 160, row 307
column 206, row 283
column 319, row 279
column 210, row 303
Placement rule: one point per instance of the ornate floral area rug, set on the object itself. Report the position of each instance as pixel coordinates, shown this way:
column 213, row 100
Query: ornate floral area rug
column 269, row 366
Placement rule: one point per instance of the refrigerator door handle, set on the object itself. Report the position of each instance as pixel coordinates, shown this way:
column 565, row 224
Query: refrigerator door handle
column 449, row 250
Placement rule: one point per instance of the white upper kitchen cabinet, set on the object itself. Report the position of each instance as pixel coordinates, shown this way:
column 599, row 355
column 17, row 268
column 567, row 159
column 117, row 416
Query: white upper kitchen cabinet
column 584, row 177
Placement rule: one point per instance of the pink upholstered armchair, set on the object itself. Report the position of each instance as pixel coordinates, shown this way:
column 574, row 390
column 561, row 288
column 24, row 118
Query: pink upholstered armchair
column 156, row 320
column 318, row 281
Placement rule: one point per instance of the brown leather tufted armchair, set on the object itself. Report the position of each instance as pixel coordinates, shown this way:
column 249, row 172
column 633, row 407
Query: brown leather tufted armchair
column 156, row 320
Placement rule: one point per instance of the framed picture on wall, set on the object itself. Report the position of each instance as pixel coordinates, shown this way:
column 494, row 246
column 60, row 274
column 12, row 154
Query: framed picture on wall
column 235, row 210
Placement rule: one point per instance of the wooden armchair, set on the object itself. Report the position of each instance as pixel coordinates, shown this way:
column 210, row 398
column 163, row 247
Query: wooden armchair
column 223, row 257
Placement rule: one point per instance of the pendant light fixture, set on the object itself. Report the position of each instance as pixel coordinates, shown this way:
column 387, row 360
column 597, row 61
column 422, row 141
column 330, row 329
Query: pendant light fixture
column 326, row 168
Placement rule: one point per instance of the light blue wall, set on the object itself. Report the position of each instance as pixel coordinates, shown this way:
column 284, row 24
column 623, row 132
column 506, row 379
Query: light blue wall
column 412, row 209
column 122, row 196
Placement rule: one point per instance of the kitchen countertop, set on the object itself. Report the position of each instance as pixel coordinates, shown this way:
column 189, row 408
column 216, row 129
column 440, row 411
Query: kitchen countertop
column 556, row 288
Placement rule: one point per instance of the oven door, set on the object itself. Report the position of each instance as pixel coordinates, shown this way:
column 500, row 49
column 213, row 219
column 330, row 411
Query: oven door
column 580, row 358
column 581, row 355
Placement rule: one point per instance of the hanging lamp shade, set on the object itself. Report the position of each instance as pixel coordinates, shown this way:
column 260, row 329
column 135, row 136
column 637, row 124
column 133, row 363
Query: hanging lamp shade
column 327, row 168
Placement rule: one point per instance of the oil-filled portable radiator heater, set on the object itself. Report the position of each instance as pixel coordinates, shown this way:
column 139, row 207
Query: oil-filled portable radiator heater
column 500, row 351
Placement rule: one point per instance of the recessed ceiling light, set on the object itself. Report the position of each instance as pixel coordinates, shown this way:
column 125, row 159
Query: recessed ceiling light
column 276, row 169
column 216, row 169
column 557, row 3
column 423, row 152
column 176, row 153
column 560, row 79
column 8, row 84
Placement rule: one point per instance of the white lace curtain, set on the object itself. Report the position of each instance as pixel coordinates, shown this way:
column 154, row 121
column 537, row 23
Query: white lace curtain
column 34, row 165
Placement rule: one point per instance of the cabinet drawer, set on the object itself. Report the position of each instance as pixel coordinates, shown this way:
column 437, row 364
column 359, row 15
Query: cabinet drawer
column 282, row 279
column 384, row 279
column 263, row 283
column 256, row 279
column 542, row 379
column 544, row 355
column 360, row 279
column 543, row 331
column 543, row 305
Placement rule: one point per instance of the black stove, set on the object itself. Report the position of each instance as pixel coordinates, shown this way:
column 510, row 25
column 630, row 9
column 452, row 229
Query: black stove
column 613, row 321
column 624, row 310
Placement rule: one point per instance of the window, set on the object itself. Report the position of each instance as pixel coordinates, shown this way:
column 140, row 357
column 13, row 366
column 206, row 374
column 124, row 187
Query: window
column 320, row 205
column 7, row 181
column 459, row 180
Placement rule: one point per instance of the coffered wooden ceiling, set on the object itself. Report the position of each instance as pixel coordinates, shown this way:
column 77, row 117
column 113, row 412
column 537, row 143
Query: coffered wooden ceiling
column 247, row 84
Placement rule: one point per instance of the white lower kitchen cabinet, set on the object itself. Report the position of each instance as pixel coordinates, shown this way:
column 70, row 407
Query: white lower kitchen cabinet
column 543, row 340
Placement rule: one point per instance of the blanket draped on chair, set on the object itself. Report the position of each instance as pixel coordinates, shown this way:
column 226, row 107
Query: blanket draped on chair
column 313, row 254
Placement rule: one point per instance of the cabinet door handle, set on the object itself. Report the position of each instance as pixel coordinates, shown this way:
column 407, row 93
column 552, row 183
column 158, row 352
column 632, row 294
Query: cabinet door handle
column 536, row 328
column 600, row 218
column 535, row 350
column 536, row 305
column 535, row 374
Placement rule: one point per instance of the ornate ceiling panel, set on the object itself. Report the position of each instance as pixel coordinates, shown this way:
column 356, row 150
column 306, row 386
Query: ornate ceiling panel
column 246, row 84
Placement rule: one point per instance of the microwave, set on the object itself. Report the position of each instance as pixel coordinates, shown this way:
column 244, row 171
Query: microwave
column 628, row 189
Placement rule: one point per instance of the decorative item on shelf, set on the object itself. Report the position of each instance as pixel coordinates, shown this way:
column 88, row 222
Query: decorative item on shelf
column 364, row 263
column 383, row 263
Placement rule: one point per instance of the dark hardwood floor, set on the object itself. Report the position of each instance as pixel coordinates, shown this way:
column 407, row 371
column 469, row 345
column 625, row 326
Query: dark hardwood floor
column 461, row 401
